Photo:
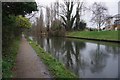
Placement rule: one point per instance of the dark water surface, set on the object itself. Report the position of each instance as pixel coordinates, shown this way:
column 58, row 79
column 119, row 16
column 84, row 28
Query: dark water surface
column 87, row 59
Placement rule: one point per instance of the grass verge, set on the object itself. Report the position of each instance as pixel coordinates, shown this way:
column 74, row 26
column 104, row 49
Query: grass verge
column 101, row 35
column 55, row 67
column 8, row 59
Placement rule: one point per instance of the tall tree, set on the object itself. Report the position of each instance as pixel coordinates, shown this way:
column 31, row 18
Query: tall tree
column 48, row 18
column 79, row 9
column 67, row 17
column 52, row 13
column 56, row 10
column 39, row 29
column 99, row 12
column 41, row 22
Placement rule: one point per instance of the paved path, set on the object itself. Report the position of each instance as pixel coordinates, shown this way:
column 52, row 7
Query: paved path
column 28, row 64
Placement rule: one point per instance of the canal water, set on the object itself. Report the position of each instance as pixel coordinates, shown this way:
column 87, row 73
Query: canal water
column 85, row 58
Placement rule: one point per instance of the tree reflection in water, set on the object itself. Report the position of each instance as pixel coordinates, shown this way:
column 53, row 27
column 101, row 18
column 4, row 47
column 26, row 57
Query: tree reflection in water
column 98, row 59
column 71, row 53
column 56, row 46
column 100, row 56
column 112, row 50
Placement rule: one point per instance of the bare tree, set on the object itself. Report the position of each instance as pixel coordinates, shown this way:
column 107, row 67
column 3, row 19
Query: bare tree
column 79, row 9
column 68, row 18
column 38, row 28
column 56, row 10
column 99, row 12
column 41, row 22
column 48, row 18
column 52, row 13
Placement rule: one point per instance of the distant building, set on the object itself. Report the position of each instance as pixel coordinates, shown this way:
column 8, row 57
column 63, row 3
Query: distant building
column 108, row 22
column 112, row 22
column 117, row 19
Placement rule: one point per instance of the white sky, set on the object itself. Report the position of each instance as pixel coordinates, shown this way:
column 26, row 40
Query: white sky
column 112, row 6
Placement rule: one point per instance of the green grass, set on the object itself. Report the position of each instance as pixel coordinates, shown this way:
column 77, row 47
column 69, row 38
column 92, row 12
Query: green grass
column 8, row 60
column 57, row 69
column 102, row 35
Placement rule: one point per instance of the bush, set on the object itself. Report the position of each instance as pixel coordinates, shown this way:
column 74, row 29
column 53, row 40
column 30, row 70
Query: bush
column 9, row 57
column 57, row 29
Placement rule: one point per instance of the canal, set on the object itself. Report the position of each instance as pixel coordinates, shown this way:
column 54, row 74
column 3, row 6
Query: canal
column 85, row 58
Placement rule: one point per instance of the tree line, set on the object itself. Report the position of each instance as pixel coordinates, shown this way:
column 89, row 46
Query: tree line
column 59, row 18
column 14, row 21
column 67, row 16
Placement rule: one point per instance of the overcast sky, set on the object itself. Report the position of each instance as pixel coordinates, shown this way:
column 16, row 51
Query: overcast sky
column 112, row 6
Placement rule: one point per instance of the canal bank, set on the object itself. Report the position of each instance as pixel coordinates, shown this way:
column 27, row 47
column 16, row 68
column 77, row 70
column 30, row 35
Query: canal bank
column 108, row 36
column 57, row 69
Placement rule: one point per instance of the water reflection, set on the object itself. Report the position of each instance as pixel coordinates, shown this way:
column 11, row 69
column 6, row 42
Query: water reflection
column 98, row 60
column 85, row 59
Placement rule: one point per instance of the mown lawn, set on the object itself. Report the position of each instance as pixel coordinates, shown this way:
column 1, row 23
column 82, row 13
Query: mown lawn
column 102, row 35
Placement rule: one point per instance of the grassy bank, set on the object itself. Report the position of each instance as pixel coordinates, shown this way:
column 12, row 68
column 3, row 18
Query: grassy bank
column 55, row 67
column 101, row 35
column 8, row 60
